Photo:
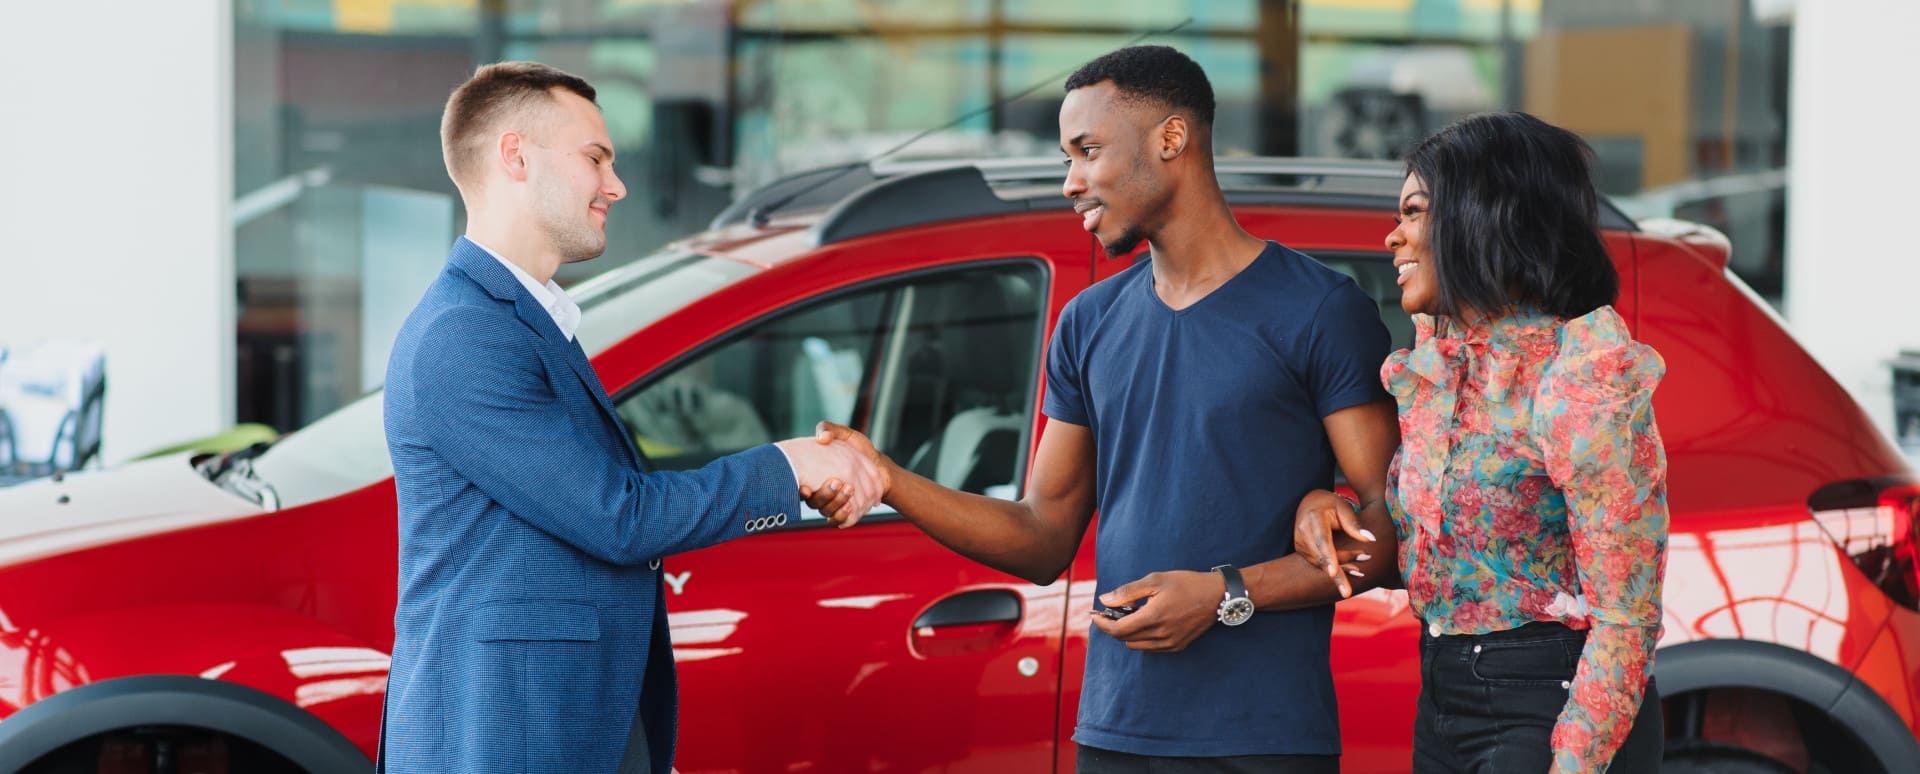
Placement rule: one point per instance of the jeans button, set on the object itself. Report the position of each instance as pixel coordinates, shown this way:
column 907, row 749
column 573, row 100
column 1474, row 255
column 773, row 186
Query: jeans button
column 1566, row 685
column 1476, row 649
column 1433, row 629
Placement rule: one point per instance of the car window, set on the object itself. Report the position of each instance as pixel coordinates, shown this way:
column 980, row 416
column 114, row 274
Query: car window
column 955, row 400
column 773, row 381
column 938, row 368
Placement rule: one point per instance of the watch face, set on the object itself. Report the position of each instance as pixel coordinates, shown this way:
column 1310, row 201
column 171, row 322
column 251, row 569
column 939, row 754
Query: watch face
column 1236, row 611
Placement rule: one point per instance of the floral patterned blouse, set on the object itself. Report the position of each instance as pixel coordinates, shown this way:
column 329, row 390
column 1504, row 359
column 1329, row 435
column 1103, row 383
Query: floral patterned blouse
column 1530, row 485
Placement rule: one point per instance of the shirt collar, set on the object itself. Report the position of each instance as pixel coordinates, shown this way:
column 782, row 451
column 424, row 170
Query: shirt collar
column 565, row 313
column 1444, row 345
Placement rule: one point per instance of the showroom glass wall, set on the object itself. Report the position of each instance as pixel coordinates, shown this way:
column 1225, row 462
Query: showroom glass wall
column 343, row 211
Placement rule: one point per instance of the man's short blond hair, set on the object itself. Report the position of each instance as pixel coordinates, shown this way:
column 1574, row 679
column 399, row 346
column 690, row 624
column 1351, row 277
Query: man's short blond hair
column 495, row 92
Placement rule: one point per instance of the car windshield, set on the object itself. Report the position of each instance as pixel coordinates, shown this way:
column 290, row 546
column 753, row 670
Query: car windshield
column 347, row 450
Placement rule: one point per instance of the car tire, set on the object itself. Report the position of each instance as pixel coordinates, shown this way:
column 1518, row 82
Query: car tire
column 1699, row 757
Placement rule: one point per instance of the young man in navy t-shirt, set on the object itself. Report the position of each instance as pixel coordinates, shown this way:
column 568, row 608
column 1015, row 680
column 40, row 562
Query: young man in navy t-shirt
column 1199, row 400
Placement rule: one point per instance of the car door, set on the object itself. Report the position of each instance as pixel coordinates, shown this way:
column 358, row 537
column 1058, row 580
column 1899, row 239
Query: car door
column 808, row 648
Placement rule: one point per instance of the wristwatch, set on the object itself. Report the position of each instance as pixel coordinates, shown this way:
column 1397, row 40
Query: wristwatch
column 1236, row 609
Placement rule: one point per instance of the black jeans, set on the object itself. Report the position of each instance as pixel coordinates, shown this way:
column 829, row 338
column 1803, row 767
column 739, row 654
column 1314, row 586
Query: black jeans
column 1488, row 704
column 1093, row 760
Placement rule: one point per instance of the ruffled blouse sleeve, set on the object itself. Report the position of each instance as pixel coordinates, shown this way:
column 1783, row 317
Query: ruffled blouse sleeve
column 1593, row 421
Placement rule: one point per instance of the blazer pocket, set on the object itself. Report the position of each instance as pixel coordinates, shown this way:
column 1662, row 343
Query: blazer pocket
column 537, row 620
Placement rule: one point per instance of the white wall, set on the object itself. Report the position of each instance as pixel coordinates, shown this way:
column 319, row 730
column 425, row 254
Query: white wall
column 1853, row 262
column 115, row 185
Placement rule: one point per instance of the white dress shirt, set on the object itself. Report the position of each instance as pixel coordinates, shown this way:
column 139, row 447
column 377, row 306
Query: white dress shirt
column 565, row 313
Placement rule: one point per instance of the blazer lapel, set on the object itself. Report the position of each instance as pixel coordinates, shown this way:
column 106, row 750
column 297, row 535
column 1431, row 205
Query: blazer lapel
column 577, row 358
column 484, row 269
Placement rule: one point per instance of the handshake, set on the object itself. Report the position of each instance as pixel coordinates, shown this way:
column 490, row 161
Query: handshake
column 841, row 475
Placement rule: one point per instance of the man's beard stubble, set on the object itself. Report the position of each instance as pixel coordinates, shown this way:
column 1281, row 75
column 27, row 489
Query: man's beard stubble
column 575, row 241
column 1140, row 183
column 1130, row 238
column 582, row 243
column 567, row 226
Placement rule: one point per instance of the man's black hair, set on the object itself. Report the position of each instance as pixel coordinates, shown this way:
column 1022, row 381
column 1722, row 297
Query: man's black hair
column 1156, row 74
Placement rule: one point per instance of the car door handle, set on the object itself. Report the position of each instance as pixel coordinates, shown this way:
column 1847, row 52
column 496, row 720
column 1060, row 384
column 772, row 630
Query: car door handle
column 972, row 607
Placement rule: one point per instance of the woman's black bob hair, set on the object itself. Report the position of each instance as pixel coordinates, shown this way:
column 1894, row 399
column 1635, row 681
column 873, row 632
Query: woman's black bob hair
column 1513, row 217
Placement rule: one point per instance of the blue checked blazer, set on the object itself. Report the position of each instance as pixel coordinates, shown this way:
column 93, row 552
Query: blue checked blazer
column 530, row 627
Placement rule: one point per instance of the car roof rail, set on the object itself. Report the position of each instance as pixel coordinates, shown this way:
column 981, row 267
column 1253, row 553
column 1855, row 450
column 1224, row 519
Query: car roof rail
column 885, row 195
column 941, row 194
column 809, row 189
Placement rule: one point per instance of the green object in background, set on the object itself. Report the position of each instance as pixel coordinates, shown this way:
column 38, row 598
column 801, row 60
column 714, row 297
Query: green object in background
column 238, row 437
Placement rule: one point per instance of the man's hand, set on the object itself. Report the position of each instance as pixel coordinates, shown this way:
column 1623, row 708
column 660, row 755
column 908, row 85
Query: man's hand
column 833, row 501
column 1321, row 512
column 839, row 471
column 1173, row 608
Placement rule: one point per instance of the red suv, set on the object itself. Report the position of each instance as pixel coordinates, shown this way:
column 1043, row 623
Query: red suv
column 235, row 612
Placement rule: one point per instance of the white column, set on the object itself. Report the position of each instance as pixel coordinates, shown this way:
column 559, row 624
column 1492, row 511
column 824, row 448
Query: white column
column 1853, row 261
column 115, row 190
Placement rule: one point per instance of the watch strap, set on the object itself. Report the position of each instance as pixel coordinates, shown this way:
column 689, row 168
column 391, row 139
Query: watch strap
column 1236, row 588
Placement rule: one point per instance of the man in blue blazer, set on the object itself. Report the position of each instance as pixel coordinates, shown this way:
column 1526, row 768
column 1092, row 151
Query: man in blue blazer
column 530, row 633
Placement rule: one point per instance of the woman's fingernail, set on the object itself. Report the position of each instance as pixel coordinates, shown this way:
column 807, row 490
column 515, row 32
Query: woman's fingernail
column 1367, row 535
column 1356, row 573
column 1363, row 557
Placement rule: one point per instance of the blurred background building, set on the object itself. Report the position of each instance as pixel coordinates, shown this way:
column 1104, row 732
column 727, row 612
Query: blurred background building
column 241, row 199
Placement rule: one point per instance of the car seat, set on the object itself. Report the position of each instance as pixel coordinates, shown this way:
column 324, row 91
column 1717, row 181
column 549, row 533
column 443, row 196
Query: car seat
column 986, row 345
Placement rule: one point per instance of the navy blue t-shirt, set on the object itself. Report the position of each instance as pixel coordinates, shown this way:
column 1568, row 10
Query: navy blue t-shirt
column 1207, row 429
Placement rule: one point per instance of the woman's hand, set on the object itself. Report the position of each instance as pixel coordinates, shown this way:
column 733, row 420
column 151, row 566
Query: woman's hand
column 1321, row 512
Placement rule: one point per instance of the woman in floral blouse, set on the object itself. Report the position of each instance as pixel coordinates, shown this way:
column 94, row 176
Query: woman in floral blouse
column 1529, row 492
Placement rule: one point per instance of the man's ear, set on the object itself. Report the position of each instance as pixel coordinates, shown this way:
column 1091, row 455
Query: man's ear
column 508, row 153
column 1173, row 137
